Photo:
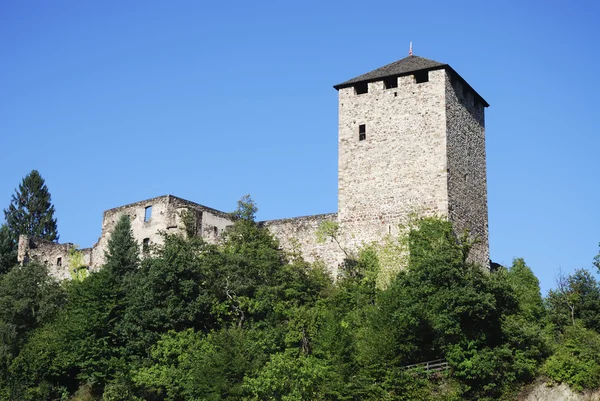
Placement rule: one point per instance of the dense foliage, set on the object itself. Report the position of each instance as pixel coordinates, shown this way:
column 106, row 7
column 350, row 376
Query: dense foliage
column 243, row 320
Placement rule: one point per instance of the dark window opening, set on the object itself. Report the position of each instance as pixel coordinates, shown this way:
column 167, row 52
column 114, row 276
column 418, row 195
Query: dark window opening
column 390, row 82
column 148, row 213
column 215, row 231
column 395, row 94
column 361, row 88
column 362, row 132
column 421, row 76
column 146, row 245
column 59, row 262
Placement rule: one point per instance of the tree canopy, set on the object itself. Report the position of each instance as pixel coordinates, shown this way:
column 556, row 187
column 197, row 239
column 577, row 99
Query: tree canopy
column 31, row 211
column 243, row 320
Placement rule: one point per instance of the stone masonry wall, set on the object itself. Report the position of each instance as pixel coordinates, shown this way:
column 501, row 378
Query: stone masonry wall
column 164, row 218
column 467, row 186
column 300, row 234
column 400, row 168
column 53, row 255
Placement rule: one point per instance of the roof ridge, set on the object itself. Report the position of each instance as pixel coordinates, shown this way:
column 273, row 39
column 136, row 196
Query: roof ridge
column 404, row 66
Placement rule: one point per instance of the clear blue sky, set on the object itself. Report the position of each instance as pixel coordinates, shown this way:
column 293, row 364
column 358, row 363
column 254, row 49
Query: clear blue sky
column 114, row 102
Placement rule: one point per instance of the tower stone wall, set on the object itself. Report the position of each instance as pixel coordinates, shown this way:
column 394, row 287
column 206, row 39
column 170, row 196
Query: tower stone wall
column 400, row 167
column 467, row 182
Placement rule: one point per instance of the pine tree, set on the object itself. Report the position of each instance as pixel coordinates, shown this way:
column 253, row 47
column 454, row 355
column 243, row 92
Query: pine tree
column 31, row 211
column 122, row 255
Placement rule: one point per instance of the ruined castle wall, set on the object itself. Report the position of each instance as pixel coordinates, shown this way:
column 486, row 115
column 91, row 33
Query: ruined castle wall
column 300, row 235
column 467, row 186
column 163, row 218
column 400, row 168
column 54, row 256
column 210, row 223
column 213, row 226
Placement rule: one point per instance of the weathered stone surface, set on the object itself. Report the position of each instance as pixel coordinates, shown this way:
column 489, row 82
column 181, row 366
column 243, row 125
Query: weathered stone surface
column 543, row 391
column 299, row 234
column 165, row 217
column 423, row 154
column 467, row 183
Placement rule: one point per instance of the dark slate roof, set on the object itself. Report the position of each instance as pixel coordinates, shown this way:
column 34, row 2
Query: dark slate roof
column 406, row 66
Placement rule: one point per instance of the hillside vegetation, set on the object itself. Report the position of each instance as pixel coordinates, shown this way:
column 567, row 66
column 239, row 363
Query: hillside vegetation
column 245, row 321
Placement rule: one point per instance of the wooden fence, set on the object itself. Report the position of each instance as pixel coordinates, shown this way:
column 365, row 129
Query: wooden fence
column 429, row 366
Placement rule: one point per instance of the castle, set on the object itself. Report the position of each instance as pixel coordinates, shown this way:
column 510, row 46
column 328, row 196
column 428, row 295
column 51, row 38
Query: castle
column 411, row 139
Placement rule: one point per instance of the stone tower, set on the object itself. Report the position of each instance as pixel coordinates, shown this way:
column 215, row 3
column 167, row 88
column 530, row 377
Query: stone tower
column 411, row 140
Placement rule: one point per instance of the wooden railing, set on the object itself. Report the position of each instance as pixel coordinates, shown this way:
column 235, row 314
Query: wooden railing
column 430, row 366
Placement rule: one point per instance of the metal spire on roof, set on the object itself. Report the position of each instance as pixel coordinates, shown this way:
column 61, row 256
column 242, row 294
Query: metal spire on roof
column 410, row 49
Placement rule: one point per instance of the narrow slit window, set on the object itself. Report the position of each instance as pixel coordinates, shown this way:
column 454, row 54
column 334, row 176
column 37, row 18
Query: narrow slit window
column 390, row 83
column 421, row 76
column 361, row 88
column 147, row 213
column 59, row 262
column 362, row 132
column 146, row 245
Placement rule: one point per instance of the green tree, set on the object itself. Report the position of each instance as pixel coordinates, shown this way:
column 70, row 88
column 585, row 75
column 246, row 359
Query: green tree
column 83, row 344
column 577, row 297
column 31, row 211
column 192, row 366
column 576, row 360
column 527, row 289
column 171, row 291
column 29, row 298
column 122, row 255
column 8, row 250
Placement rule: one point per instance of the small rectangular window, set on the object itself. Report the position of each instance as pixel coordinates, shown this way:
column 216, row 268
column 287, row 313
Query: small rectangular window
column 59, row 262
column 146, row 245
column 390, row 82
column 148, row 213
column 362, row 132
column 421, row 76
column 361, row 88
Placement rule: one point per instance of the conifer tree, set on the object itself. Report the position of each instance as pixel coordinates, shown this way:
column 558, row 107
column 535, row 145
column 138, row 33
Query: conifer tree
column 122, row 255
column 31, row 211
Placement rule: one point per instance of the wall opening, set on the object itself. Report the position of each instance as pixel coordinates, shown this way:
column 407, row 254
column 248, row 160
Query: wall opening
column 147, row 213
column 361, row 88
column 146, row 245
column 215, row 231
column 390, row 83
column 362, row 132
column 421, row 76
column 59, row 262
